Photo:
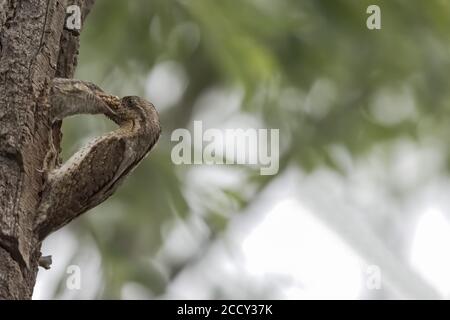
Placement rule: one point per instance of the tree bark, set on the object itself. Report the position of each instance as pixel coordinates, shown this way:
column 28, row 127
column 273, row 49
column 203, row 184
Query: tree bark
column 35, row 47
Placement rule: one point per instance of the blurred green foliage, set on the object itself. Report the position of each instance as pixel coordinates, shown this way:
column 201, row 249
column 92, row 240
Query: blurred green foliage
column 308, row 67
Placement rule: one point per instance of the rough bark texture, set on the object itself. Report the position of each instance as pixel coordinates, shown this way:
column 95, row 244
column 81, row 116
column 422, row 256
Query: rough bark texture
column 34, row 48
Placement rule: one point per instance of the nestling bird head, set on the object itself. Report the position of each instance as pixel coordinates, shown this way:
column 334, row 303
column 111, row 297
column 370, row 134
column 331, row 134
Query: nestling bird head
column 77, row 88
column 70, row 94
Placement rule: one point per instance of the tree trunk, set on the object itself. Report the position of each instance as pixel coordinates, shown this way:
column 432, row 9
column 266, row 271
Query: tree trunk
column 35, row 47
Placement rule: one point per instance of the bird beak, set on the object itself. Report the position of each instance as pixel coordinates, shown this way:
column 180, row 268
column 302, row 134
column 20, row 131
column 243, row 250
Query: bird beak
column 110, row 102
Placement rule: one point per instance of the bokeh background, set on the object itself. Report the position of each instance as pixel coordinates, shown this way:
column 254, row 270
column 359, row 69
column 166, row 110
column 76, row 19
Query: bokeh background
column 364, row 119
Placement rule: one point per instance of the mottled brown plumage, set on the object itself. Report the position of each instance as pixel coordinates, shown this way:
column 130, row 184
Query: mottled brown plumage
column 71, row 97
column 93, row 173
